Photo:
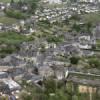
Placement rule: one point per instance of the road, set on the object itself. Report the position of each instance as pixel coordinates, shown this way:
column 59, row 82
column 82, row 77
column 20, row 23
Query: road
column 84, row 74
column 85, row 81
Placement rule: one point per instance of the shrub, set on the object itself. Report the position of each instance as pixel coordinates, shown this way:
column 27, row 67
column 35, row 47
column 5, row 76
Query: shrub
column 15, row 14
column 74, row 60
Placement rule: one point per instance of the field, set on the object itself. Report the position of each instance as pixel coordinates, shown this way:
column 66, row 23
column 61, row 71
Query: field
column 98, row 44
column 92, row 17
column 6, row 1
column 11, row 38
column 7, row 20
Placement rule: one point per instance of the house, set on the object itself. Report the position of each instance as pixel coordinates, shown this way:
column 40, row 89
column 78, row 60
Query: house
column 59, row 72
column 2, row 6
column 11, row 60
column 22, row 23
column 4, row 88
column 33, row 78
column 87, row 53
column 45, row 71
column 24, row 8
column 7, row 86
column 16, row 73
column 86, row 41
column 16, row 28
column 97, row 31
column 3, row 75
column 53, row 1
column 87, row 89
column 72, row 49
column 13, row 86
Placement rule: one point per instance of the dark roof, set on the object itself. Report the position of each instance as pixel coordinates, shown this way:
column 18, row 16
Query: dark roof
column 11, row 61
column 90, row 82
column 4, row 88
column 32, row 77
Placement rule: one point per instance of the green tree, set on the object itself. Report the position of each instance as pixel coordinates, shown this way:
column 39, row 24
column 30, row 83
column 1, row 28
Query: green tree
column 75, row 17
column 50, row 86
column 15, row 14
column 94, row 62
column 12, row 1
column 76, row 27
column 74, row 60
column 33, row 4
column 88, row 26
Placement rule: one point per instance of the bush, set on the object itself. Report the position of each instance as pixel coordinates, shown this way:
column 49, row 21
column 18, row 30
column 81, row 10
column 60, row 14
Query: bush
column 15, row 14
column 76, row 27
column 55, row 39
column 12, row 41
column 74, row 60
column 75, row 17
column 94, row 62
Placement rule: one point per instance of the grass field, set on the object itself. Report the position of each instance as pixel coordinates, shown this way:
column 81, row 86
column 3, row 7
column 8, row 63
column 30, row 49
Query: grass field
column 7, row 20
column 98, row 44
column 12, row 41
column 92, row 17
column 12, row 38
column 6, row 1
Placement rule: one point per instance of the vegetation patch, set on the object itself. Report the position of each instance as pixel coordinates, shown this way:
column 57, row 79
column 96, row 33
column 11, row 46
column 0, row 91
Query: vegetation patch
column 92, row 17
column 7, row 20
column 11, row 40
column 15, row 14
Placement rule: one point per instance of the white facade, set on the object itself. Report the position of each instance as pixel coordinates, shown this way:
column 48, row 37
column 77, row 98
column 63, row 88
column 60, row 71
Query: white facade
column 84, row 42
column 54, row 1
column 88, row 1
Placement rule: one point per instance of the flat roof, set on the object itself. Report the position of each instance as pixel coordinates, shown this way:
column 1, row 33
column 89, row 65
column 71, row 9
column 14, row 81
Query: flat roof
column 3, row 73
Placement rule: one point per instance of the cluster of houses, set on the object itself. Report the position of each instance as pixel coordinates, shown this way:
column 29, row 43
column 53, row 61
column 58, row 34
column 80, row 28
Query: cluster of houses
column 8, row 87
column 61, row 13
column 15, row 5
column 22, row 26
column 38, row 59
column 66, row 1
column 50, row 14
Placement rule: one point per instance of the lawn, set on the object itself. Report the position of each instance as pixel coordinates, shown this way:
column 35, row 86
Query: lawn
column 6, row 1
column 12, row 41
column 12, row 38
column 92, row 17
column 98, row 44
column 7, row 20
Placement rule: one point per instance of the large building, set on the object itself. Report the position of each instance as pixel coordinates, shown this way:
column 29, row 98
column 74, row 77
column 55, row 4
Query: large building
column 91, row 1
column 53, row 1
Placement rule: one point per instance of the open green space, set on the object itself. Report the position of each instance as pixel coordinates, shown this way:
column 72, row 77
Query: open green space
column 7, row 20
column 98, row 44
column 92, row 17
column 12, row 38
column 12, row 41
column 7, row 1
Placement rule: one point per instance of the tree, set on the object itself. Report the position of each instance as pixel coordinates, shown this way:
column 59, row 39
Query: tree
column 94, row 62
column 76, row 27
column 88, row 26
column 74, row 60
column 50, row 86
column 15, row 14
column 33, row 4
column 75, row 17
column 35, row 71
